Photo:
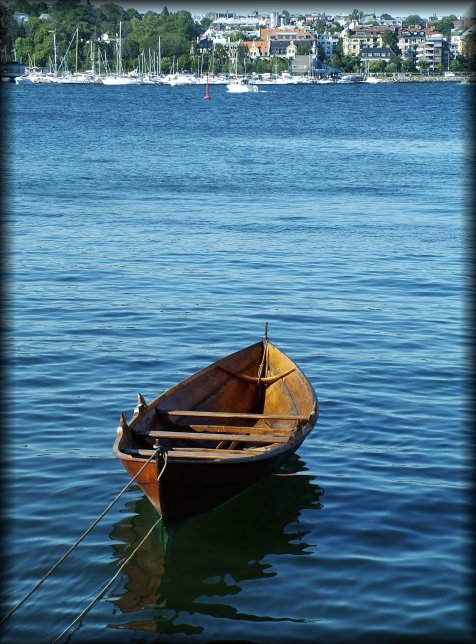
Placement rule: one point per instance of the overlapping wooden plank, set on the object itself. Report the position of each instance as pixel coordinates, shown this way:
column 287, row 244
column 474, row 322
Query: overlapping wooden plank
column 210, row 454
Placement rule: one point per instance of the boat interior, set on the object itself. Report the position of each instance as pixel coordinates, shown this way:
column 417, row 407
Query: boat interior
column 253, row 400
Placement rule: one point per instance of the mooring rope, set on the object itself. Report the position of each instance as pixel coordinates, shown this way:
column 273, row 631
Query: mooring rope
column 85, row 533
column 121, row 567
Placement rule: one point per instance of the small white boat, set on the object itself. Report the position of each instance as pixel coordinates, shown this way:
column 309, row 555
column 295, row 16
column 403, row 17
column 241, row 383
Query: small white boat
column 241, row 86
column 115, row 79
column 350, row 78
column 179, row 80
column 77, row 79
column 23, row 79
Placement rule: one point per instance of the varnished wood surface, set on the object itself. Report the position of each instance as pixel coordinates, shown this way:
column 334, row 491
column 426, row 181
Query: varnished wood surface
column 250, row 438
column 189, row 452
column 226, row 414
column 235, row 429
column 249, row 426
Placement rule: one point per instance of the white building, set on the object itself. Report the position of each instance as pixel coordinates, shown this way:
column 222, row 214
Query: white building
column 328, row 43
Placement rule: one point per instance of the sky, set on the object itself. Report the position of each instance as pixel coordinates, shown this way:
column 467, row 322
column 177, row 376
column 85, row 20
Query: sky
column 423, row 8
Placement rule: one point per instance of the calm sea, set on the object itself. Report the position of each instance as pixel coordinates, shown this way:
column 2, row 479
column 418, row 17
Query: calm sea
column 151, row 232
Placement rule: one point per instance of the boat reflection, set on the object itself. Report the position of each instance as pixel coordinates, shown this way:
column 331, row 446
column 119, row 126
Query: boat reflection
column 198, row 566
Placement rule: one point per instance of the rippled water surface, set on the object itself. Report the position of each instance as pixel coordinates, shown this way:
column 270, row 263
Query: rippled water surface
column 151, row 232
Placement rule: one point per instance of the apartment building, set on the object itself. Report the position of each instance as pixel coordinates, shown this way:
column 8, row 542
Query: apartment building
column 459, row 38
column 328, row 42
column 435, row 51
column 359, row 36
column 411, row 40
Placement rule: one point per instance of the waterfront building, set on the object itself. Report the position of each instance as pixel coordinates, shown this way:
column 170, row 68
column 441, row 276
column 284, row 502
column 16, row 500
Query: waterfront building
column 459, row 38
column 373, row 54
column 305, row 65
column 435, row 51
column 257, row 49
column 328, row 42
column 456, row 43
column 410, row 41
column 357, row 37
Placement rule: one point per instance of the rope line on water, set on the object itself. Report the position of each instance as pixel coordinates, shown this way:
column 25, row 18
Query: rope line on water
column 121, row 567
column 103, row 590
column 85, row 533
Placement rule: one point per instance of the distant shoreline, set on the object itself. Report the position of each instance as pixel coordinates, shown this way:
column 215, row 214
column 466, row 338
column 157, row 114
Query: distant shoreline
column 426, row 79
column 193, row 79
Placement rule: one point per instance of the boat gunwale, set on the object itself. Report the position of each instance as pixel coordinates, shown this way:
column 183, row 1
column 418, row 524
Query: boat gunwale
column 297, row 433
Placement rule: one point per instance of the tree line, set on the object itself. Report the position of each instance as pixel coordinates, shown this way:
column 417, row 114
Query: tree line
column 75, row 32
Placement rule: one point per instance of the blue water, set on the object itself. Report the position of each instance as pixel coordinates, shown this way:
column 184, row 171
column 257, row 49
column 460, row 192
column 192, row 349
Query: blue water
column 151, row 232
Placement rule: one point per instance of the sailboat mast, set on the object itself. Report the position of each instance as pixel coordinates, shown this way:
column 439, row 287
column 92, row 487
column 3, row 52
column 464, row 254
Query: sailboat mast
column 119, row 51
column 77, row 38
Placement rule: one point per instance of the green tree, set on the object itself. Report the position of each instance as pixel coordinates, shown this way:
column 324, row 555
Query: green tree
column 130, row 53
column 413, row 20
column 8, row 29
column 166, row 64
column 423, row 66
column 389, row 39
column 470, row 52
column 205, row 23
column 376, row 66
column 319, row 26
column 243, row 60
column 456, row 66
column 350, row 63
column 304, row 50
column 356, row 15
column 445, row 25
column 184, row 63
column 237, row 36
column 220, row 57
column 23, row 6
column 408, row 66
column 393, row 66
column 321, row 54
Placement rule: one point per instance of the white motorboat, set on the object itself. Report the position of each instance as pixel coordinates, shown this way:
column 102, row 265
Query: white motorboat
column 241, row 86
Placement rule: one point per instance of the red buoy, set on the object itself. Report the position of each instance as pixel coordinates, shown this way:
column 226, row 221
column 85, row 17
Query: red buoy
column 207, row 95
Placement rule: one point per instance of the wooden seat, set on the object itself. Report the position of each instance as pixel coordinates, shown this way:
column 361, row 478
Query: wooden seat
column 226, row 414
column 218, row 436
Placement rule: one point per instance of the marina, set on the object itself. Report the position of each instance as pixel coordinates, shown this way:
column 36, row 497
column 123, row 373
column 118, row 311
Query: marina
column 183, row 80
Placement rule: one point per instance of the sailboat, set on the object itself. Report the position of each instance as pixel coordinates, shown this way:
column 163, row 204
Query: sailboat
column 119, row 78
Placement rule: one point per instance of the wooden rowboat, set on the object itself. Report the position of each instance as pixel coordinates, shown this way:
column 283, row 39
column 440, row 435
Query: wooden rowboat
column 217, row 432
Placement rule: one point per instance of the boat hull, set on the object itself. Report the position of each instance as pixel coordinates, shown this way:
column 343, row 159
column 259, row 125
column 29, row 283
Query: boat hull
column 187, row 489
column 204, row 461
